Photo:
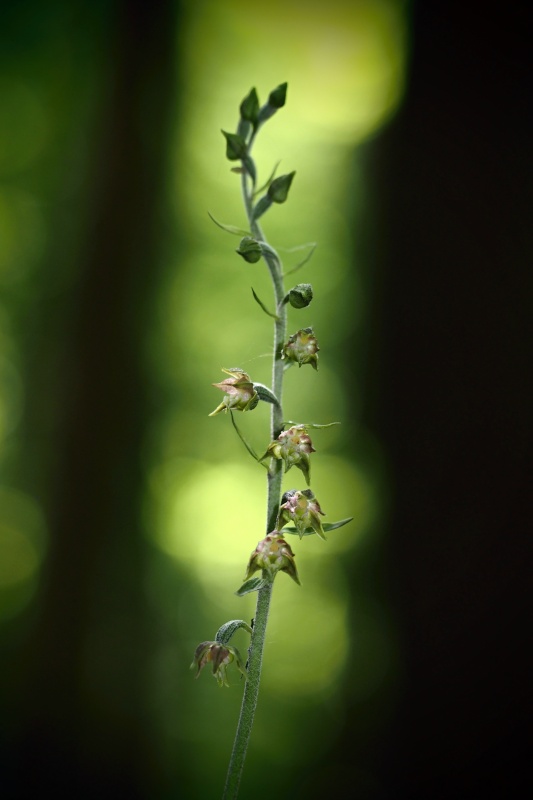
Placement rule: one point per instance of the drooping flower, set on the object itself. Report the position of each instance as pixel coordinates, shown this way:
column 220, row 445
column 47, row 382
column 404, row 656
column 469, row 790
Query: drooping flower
column 302, row 348
column 273, row 554
column 293, row 446
column 240, row 393
column 303, row 509
column 219, row 655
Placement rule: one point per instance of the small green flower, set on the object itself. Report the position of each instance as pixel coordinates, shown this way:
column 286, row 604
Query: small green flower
column 303, row 509
column 302, row 347
column 240, row 392
column 273, row 554
column 294, row 447
column 219, row 655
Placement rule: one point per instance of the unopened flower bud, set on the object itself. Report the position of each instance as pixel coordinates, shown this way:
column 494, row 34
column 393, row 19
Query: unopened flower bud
column 276, row 100
column 278, row 190
column 235, row 146
column 273, row 554
column 302, row 347
column 250, row 249
column 249, row 107
column 301, row 295
column 294, row 447
column 240, row 392
column 219, row 655
column 303, row 509
column 277, row 96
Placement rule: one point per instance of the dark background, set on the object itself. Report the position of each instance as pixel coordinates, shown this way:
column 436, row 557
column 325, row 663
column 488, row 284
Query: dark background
column 451, row 398
column 448, row 392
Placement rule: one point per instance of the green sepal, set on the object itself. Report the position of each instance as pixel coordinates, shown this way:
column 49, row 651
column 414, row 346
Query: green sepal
column 261, row 206
column 249, row 107
column 226, row 631
column 251, row 585
column 236, row 147
column 326, row 526
column 278, row 190
column 264, row 393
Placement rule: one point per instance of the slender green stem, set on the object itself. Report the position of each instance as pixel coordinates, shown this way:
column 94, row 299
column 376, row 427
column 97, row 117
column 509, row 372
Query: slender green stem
column 275, row 474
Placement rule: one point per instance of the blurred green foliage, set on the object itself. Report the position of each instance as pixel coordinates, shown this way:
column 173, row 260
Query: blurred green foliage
column 202, row 506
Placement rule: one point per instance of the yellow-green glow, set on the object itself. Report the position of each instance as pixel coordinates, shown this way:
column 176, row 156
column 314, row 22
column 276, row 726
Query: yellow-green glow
column 344, row 66
column 343, row 61
column 304, row 659
column 214, row 514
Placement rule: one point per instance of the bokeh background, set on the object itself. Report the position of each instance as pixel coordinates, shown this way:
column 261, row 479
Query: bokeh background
column 127, row 516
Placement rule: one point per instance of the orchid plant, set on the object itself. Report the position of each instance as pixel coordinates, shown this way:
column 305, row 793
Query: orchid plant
column 297, row 511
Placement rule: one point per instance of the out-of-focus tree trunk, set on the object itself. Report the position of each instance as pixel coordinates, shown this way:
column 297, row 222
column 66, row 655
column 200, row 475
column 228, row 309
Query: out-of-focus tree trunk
column 80, row 729
column 449, row 395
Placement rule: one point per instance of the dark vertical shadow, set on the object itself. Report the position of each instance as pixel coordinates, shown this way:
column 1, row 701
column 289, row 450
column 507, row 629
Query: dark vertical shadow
column 458, row 373
column 450, row 397
column 81, row 728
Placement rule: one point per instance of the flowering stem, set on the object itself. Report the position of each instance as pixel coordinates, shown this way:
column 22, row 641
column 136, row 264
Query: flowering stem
column 275, row 474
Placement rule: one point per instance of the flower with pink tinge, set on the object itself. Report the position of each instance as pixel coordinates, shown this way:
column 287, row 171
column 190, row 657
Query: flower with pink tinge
column 303, row 509
column 302, row 348
column 293, row 446
column 240, row 392
column 273, row 554
column 219, row 655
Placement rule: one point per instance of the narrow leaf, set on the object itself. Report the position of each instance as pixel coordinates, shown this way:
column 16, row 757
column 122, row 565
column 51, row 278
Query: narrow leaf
column 243, row 440
column 326, row 526
column 330, row 526
column 229, row 228
column 251, row 585
column 305, row 260
column 310, row 424
column 268, row 182
column 265, row 309
column 226, row 631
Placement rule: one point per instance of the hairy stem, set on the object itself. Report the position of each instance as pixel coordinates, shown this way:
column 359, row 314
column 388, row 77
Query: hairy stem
column 275, row 474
